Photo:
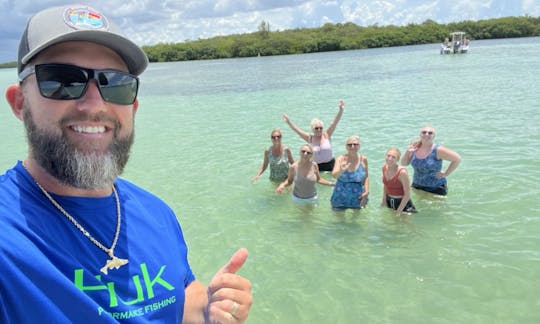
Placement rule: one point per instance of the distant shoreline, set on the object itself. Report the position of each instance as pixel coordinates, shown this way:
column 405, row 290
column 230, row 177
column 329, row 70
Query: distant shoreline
column 8, row 65
column 334, row 37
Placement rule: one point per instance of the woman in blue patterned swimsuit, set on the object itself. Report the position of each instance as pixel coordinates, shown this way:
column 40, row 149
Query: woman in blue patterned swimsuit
column 278, row 156
column 426, row 159
column 351, row 171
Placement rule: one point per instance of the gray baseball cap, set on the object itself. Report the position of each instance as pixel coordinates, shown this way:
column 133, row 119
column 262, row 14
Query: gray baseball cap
column 77, row 23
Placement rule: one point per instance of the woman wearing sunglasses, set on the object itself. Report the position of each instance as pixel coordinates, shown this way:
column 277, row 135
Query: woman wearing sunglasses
column 304, row 173
column 278, row 156
column 320, row 139
column 351, row 172
column 426, row 158
column 396, row 184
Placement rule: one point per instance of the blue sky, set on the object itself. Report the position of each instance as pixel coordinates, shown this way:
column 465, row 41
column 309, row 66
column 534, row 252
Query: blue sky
column 149, row 22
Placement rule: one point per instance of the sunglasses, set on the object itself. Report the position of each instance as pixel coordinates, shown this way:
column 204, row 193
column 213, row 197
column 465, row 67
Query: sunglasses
column 318, row 128
column 69, row 82
column 427, row 132
column 353, row 144
column 276, row 137
column 306, row 152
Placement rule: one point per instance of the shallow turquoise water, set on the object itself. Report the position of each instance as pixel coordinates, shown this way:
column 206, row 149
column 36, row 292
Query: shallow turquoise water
column 471, row 257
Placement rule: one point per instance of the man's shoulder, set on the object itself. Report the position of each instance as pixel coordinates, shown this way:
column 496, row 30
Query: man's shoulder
column 136, row 193
column 8, row 186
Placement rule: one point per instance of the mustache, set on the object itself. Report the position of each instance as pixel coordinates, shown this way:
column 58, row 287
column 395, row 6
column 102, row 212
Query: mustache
column 80, row 117
column 84, row 116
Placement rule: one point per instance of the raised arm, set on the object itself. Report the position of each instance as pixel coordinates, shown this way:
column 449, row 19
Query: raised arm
column 330, row 130
column 447, row 154
column 407, row 156
column 263, row 166
column 295, row 128
column 339, row 167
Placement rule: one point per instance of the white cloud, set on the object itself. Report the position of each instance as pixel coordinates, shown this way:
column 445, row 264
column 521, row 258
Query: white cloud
column 531, row 7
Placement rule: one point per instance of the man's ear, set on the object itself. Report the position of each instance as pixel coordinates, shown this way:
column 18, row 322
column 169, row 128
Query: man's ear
column 135, row 105
column 15, row 98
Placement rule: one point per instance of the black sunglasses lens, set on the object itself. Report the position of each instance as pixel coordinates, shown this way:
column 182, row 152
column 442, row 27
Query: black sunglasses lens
column 118, row 87
column 66, row 82
column 61, row 82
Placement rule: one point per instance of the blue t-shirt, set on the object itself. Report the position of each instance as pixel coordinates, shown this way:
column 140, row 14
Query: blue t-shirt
column 50, row 271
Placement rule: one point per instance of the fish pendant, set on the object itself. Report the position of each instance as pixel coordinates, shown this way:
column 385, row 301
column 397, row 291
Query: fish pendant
column 113, row 263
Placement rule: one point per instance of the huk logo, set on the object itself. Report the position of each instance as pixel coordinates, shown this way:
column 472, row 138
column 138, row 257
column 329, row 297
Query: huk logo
column 144, row 288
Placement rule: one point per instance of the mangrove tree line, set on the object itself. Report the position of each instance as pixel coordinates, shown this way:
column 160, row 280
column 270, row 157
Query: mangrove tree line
column 336, row 37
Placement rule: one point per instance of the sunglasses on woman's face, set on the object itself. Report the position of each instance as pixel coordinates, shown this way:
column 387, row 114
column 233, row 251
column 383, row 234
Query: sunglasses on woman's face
column 318, row 128
column 306, row 152
column 427, row 132
column 69, row 82
column 276, row 136
column 352, row 144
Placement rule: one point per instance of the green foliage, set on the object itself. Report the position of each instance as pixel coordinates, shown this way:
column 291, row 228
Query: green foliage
column 336, row 37
column 264, row 29
column 8, row 65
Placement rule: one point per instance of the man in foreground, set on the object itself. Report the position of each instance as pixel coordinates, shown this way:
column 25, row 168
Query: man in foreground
column 78, row 244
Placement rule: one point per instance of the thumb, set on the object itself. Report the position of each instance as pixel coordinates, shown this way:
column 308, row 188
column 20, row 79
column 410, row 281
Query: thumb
column 235, row 262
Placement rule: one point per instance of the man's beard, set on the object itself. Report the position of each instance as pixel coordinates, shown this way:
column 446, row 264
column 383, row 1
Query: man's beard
column 64, row 161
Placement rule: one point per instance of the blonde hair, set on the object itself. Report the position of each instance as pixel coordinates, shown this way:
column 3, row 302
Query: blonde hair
column 316, row 121
column 276, row 130
column 306, row 146
column 395, row 149
column 353, row 137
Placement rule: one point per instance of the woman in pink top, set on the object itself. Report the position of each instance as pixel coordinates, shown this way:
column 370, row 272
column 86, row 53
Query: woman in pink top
column 320, row 139
column 396, row 190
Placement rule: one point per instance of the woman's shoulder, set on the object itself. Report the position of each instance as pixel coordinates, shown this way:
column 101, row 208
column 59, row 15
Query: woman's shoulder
column 437, row 148
column 402, row 170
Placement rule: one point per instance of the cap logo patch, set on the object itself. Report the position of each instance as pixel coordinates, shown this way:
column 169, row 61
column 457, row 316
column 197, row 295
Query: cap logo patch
column 85, row 18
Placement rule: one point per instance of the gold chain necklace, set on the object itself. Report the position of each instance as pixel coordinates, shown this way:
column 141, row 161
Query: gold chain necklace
column 114, row 262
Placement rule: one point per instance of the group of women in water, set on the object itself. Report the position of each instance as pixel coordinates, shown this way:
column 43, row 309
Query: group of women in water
column 350, row 170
